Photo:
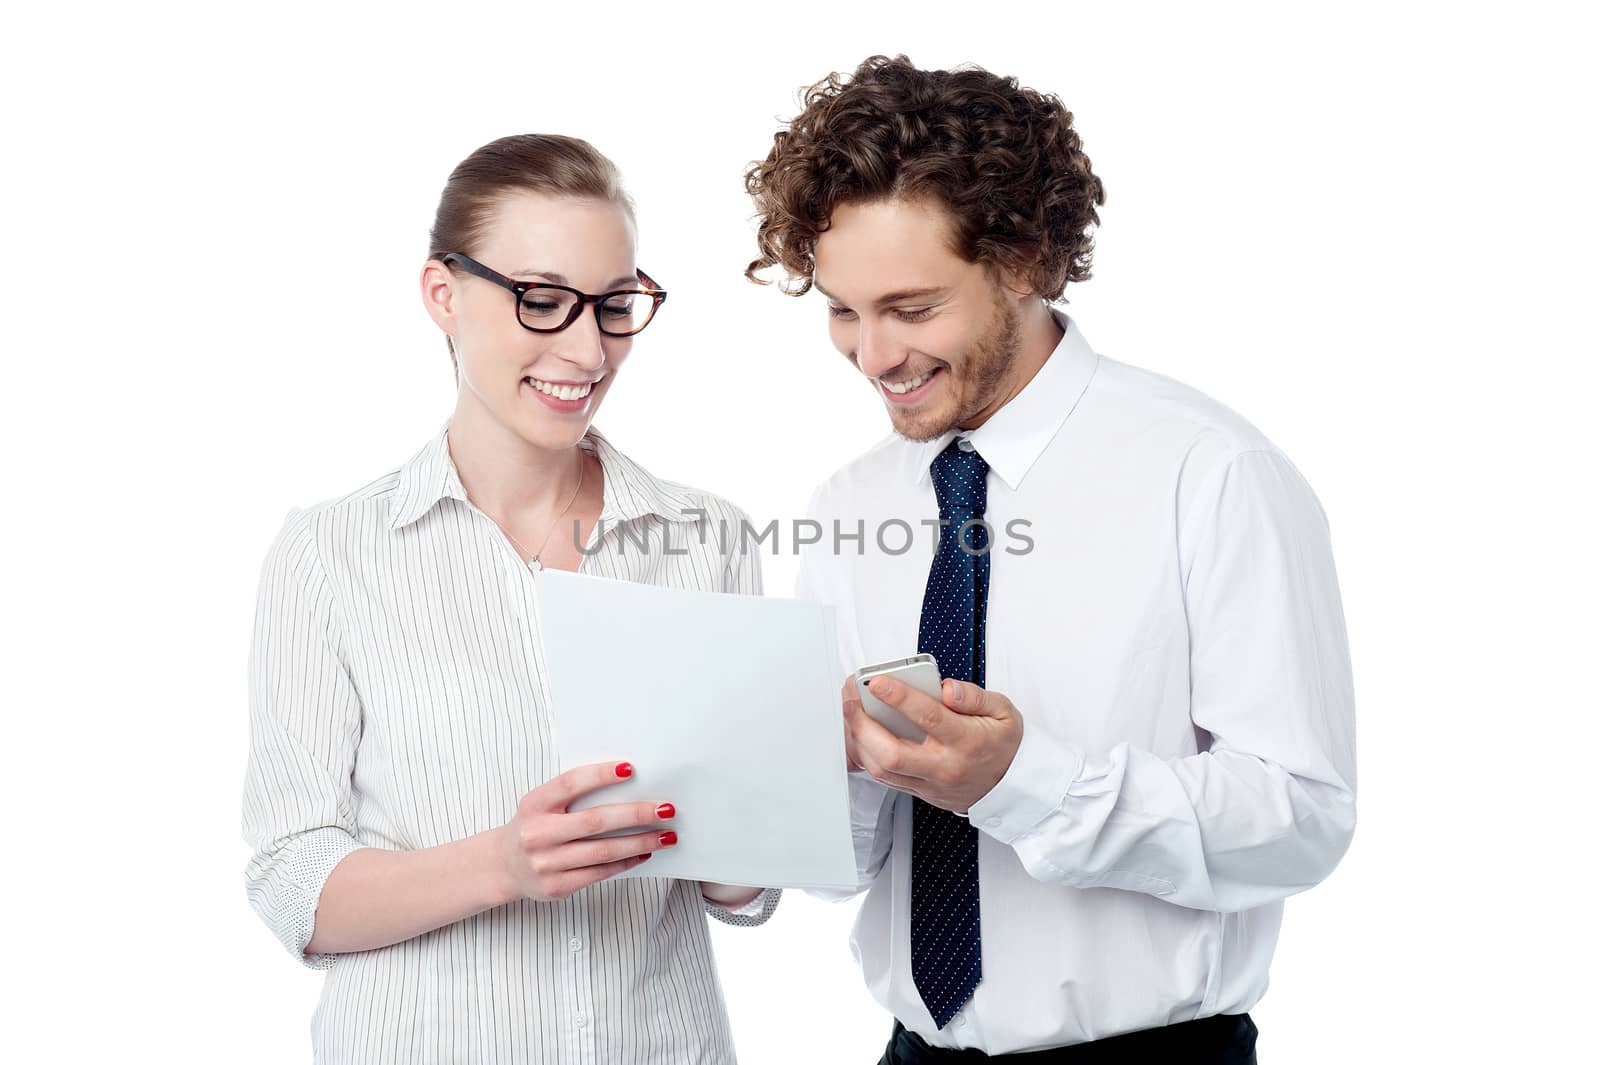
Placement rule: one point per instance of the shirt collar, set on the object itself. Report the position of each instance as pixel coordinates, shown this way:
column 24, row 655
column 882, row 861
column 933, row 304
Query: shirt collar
column 427, row 477
column 631, row 491
column 1014, row 437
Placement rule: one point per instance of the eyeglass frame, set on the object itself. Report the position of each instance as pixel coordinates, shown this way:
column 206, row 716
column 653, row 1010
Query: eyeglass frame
column 657, row 295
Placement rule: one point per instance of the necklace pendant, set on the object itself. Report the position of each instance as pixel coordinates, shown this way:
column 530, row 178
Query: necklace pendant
column 534, row 564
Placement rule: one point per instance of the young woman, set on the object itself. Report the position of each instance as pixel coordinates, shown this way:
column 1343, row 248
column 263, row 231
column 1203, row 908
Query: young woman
column 410, row 827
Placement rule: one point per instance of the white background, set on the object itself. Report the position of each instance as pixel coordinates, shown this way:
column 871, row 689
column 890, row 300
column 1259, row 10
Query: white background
column 1370, row 230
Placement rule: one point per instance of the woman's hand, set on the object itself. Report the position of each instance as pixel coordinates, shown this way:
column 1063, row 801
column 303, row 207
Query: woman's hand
column 728, row 896
column 544, row 848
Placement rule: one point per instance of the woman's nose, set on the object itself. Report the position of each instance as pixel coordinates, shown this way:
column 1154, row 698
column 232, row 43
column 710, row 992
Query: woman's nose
column 582, row 342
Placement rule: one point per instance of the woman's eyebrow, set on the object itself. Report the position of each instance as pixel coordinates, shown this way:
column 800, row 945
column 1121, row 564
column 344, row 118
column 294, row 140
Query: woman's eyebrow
column 528, row 274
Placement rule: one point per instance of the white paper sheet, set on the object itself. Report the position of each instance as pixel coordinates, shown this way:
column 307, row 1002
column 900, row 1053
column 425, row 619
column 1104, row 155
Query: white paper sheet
column 727, row 706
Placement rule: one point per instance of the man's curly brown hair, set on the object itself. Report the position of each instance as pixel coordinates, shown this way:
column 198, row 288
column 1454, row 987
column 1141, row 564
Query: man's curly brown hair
column 1004, row 160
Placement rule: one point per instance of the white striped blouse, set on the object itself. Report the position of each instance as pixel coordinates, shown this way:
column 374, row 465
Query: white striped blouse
column 398, row 700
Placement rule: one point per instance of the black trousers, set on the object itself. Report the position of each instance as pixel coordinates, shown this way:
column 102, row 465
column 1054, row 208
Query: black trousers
column 1224, row 1039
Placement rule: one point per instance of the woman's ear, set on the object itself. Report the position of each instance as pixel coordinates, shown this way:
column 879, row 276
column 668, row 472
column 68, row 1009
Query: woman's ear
column 438, row 295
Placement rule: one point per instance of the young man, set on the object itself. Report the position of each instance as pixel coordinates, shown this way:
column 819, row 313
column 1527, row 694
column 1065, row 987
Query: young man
column 1145, row 737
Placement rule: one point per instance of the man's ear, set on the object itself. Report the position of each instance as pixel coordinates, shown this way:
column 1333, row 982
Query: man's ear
column 1020, row 283
column 1016, row 281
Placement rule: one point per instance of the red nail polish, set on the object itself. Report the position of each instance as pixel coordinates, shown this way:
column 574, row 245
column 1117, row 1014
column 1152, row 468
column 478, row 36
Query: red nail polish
column 624, row 769
column 666, row 811
column 668, row 838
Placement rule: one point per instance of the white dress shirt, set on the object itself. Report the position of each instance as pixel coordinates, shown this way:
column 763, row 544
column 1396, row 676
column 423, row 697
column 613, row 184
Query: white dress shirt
column 1165, row 616
column 398, row 700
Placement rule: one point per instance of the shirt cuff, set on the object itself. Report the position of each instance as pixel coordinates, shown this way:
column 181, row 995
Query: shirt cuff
column 1034, row 787
column 752, row 913
column 316, row 854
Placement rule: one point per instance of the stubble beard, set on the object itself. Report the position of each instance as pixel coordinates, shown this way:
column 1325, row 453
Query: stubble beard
column 983, row 375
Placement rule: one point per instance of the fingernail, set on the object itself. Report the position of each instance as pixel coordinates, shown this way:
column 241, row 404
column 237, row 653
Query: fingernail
column 882, row 686
column 643, row 856
column 624, row 769
column 668, row 838
column 955, row 693
column 666, row 811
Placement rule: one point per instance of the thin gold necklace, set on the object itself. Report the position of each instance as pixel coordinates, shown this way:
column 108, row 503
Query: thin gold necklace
column 533, row 562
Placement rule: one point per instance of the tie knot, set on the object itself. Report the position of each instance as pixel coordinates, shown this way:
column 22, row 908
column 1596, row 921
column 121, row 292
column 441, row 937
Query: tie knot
column 960, row 479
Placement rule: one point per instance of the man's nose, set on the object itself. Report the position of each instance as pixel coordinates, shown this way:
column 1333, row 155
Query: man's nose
column 876, row 355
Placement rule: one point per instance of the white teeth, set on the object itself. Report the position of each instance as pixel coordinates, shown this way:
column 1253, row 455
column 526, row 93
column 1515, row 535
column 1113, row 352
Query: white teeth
column 909, row 386
column 561, row 391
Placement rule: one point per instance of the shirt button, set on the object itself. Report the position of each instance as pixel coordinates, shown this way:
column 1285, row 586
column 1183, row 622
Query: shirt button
column 964, row 444
column 580, row 1020
column 961, row 1020
column 991, row 822
column 574, row 944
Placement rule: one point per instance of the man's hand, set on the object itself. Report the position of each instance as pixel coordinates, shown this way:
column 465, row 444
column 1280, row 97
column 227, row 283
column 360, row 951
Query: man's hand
column 973, row 735
column 851, row 701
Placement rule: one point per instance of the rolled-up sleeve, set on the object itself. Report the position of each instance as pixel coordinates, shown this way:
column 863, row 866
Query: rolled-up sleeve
column 755, row 912
column 305, row 722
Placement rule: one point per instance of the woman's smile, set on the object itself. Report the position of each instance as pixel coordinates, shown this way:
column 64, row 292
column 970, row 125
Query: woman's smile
column 567, row 397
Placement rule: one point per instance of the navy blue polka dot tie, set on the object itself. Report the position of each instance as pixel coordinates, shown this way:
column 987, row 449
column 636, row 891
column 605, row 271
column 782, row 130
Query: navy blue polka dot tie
column 946, row 958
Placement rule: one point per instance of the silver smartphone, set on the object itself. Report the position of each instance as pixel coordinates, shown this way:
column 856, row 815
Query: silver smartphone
column 919, row 671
